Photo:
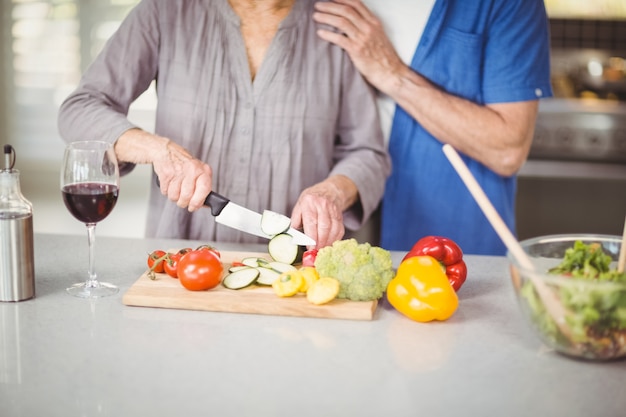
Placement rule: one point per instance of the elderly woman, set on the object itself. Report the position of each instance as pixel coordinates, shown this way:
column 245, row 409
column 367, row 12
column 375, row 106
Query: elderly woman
column 251, row 104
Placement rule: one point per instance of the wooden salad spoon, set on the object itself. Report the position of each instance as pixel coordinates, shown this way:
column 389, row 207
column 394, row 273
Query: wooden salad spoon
column 550, row 300
column 622, row 253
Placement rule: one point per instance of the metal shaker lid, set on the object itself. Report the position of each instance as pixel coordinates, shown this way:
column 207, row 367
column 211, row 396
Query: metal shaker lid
column 9, row 157
column 12, row 203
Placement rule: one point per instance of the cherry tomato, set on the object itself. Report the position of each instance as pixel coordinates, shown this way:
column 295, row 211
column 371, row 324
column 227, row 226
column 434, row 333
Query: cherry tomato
column 211, row 249
column 200, row 270
column 184, row 251
column 155, row 261
column 170, row 265
column 308, row 257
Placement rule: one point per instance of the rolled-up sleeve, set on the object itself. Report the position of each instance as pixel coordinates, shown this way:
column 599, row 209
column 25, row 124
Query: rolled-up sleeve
column 98, row 108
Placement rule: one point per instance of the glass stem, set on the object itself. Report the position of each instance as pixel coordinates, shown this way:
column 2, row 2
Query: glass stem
column 92, row 281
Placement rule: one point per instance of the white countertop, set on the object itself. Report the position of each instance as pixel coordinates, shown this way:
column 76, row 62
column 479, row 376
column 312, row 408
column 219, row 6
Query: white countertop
column 62, row 356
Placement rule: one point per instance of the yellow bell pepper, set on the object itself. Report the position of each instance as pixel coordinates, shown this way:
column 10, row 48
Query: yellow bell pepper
column 288, row 283
column 421, row 290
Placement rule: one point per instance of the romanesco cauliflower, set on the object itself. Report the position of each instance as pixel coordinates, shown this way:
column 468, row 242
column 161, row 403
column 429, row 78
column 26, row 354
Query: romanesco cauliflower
column 363, row 270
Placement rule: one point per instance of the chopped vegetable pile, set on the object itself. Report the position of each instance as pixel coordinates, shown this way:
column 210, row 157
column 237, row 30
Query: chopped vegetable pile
column 589, row 262
column 363, row 270
column 598, row 319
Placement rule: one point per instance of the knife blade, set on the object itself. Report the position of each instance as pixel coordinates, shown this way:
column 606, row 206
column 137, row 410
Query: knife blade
column 237, row 217
column 243, row 219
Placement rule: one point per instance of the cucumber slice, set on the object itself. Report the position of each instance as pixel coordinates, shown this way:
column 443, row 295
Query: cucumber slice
column 282, row 249
column 273, row 223
column 254, row 261
column 237, row 268
column 241, row 278
column 267, row 276
column 280, row 266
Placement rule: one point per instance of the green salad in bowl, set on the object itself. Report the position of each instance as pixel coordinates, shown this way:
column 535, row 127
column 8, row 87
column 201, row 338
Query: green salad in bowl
column 582, row 271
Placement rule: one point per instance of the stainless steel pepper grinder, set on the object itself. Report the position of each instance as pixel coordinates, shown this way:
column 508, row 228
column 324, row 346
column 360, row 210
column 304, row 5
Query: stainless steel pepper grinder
column 17, row 266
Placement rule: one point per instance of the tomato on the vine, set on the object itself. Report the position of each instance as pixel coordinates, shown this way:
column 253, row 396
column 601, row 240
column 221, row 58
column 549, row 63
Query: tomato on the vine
column 170, row 265
column 200, row 270
column 155, row 261
column 211, row 249
column 183, row 251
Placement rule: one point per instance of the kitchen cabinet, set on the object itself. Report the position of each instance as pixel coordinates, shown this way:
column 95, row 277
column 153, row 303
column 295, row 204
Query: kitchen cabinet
column 570, row 197
column 575, row 178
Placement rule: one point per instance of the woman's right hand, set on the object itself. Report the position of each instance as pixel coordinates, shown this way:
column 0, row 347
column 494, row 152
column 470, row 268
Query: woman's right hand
column 184, row 179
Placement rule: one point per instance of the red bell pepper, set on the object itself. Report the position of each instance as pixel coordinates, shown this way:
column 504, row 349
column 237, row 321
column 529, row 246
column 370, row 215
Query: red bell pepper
column 447, row 253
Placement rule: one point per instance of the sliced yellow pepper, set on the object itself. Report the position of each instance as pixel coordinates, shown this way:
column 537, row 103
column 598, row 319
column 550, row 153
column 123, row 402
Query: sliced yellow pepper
column 288, row 283
column 323, row 291
column 310, row 275
column 421, row 290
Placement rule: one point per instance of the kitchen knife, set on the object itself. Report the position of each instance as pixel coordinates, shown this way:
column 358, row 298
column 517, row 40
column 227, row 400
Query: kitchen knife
column 243, row 219
column 232, row 215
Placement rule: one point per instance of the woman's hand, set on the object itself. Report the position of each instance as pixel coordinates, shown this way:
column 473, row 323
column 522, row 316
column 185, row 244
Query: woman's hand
column 319, row 209
column 183, row 178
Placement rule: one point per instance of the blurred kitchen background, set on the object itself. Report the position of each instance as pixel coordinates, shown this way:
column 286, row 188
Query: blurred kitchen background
column 574, row 181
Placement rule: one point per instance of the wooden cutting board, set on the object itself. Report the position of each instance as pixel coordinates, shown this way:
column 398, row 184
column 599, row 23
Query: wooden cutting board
column 167, row 292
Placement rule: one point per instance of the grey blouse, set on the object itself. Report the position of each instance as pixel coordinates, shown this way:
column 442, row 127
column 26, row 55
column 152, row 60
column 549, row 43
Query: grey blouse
column 308, row 113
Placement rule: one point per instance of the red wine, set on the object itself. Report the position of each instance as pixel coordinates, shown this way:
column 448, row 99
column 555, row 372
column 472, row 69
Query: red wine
column 90, row 202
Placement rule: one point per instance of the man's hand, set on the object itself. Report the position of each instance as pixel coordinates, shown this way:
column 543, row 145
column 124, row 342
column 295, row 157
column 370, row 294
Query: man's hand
column 498, row 135
column 319, row 209
column 362, row 37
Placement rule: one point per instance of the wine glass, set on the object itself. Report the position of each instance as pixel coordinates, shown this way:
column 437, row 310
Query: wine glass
column 90, row 180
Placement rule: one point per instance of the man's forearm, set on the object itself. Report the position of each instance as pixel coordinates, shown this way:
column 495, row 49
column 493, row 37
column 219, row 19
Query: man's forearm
column 498, row 135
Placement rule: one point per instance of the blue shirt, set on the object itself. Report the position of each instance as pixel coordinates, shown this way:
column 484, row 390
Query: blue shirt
column 489, row 51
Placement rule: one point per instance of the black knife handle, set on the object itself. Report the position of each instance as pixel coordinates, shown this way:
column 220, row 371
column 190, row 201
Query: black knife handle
column 214, row 200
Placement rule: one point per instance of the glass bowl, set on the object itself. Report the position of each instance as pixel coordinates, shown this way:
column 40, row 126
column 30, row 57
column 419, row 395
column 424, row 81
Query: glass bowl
column 594, row 327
